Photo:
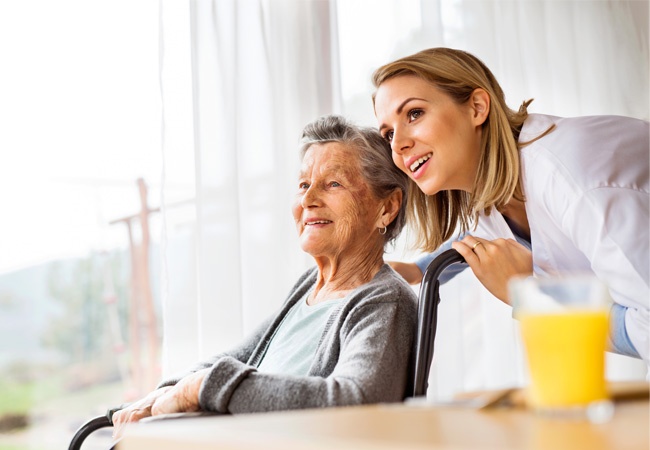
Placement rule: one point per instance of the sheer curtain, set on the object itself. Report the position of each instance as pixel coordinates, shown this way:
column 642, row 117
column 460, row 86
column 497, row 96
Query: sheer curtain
column 241, row 78
column 260, row 70
column 573, row 57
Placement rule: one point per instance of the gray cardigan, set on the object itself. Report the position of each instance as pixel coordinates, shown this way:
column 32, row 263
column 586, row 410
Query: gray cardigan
column 364, row 355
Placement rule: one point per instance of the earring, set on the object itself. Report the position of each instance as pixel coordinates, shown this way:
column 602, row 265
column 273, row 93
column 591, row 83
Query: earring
column 382, row 231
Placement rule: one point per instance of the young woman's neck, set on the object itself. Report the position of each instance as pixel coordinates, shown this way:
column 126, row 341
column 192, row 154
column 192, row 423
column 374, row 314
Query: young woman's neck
column 515, row 212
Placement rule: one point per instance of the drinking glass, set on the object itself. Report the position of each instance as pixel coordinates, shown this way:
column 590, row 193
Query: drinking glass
column 564, row 326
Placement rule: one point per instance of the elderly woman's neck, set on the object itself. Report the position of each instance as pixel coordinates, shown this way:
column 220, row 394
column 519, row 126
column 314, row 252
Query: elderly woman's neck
column 338, row 276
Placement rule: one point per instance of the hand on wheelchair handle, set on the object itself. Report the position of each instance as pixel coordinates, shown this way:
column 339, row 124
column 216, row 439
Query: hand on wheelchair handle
column 132, row 412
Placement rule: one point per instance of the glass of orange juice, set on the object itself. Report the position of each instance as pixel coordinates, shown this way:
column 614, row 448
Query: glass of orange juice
column 564, row 325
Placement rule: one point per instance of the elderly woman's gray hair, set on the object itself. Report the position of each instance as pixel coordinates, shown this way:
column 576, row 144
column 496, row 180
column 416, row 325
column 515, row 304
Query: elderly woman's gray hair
column 375, row 160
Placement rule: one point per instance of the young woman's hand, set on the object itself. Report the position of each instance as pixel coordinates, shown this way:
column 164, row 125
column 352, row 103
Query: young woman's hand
column 495, row 262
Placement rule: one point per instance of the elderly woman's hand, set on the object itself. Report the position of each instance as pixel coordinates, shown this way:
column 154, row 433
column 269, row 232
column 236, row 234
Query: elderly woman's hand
column 183, row 397
column 136, row 411
column 495, row 262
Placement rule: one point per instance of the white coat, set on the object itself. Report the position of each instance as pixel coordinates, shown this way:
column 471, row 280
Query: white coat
column 586, row 185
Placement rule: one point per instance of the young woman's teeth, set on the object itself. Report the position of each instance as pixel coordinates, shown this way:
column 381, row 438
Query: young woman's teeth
column 419, row 162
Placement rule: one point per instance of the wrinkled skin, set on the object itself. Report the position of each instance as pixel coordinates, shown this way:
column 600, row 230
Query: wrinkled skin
column 182, row 397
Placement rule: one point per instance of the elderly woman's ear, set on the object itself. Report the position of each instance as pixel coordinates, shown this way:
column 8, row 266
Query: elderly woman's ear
column 390, row 207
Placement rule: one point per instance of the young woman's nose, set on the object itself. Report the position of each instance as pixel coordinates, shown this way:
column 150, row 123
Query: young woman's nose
column 401, row 142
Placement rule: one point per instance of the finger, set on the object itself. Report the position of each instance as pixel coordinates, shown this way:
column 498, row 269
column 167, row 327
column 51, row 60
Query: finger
column 140, row 413
column 117, row 417
column 474, row 243
column 118, row 430
column 466, row 252
column 477, row 246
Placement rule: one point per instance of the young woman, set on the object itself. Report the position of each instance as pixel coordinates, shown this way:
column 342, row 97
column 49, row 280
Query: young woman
column 345, row 332
column 528, row 193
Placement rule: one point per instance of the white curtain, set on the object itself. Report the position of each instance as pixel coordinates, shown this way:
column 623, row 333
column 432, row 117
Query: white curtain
column 574, row 57
column 260, row 70
column 241, row 78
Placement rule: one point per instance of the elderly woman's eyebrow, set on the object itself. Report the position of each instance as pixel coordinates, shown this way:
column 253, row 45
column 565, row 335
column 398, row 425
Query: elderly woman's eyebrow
column 331, row 170
column 340, row 170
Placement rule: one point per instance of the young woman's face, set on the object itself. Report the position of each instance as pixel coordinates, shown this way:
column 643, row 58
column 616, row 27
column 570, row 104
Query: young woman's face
column 334, row 210
column 435, row 141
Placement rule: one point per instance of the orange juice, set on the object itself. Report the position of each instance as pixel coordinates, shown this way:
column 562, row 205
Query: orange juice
column 566, row 357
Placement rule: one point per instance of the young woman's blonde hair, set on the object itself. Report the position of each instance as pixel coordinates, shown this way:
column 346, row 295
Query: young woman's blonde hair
column 434, row 218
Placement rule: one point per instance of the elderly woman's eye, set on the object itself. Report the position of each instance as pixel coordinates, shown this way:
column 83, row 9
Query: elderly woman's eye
column 335, row 184
column 303, row 185
column 414, row 114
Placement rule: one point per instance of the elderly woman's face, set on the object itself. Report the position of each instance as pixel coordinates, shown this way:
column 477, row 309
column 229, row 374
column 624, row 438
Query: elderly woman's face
column 335, row 210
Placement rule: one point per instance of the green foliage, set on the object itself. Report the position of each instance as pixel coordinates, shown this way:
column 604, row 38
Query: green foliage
column 15, row 398
column 12, row 447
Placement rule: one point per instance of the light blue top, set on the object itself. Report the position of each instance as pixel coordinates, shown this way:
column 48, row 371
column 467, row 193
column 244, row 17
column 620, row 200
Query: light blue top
column 294, row 344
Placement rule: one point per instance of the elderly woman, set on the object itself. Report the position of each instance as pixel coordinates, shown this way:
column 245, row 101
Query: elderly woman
column 344, row 334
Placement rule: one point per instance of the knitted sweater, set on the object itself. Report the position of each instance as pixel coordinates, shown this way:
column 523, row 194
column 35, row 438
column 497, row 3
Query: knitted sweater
column 363, row 356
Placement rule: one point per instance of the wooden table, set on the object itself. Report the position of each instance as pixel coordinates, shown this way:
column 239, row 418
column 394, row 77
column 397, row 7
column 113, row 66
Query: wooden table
column 398, row 426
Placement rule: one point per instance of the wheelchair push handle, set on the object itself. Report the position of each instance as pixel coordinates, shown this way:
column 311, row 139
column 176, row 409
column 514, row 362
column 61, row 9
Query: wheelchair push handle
column 429, row 298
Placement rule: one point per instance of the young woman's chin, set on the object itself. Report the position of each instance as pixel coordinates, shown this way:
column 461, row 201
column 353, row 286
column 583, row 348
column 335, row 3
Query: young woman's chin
column 429, row 187
column 433, row 185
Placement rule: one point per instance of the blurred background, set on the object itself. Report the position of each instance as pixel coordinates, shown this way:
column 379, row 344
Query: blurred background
column 148, row 152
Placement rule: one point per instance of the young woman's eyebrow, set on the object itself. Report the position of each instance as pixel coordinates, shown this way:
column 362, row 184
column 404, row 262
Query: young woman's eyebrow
column 400, row 108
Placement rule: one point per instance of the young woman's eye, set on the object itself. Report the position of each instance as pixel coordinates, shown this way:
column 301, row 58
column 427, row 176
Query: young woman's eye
column 414, row 114
column 388, row 136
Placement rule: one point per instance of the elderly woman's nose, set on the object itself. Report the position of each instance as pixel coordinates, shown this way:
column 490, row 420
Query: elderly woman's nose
column 311, row 197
